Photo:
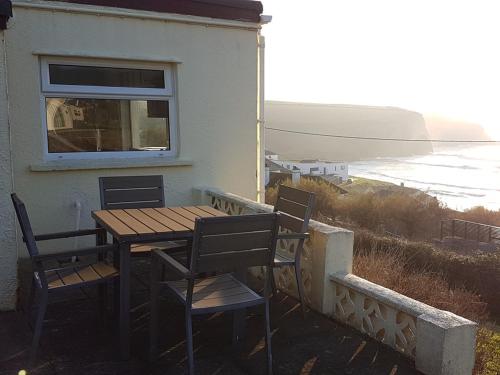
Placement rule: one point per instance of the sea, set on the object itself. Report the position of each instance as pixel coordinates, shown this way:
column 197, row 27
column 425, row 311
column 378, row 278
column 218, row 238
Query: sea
column 462, row 177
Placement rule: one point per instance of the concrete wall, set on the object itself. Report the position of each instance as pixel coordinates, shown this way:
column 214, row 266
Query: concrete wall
column 8, row 252
column 216, row 93
column 441, row 343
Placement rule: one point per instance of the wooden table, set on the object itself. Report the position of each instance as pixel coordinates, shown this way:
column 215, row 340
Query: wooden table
column 133, row 226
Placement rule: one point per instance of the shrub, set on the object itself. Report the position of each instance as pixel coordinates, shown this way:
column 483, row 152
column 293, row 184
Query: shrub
column 479, row 273
column 487, row 352
column 481, row 215
column 394, row 271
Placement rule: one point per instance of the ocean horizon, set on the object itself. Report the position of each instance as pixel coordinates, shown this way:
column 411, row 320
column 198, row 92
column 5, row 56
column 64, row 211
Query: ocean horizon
column 461, row 177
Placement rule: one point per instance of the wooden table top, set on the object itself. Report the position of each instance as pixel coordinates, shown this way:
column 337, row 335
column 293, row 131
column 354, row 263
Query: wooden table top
column 147, row 222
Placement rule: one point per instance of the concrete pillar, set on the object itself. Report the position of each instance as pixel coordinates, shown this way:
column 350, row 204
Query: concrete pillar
column 332, row 253
column 445, row 344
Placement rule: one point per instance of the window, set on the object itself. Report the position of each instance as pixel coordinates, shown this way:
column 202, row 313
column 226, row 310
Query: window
column 107, row 109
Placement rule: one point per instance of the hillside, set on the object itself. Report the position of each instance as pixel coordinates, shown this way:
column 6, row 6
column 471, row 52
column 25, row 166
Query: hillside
column 352, row 120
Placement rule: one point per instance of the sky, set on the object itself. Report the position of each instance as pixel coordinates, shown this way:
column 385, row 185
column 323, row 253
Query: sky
column 437, row 57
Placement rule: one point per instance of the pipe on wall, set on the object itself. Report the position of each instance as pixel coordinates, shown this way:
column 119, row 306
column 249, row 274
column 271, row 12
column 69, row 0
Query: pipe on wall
column 261, row 144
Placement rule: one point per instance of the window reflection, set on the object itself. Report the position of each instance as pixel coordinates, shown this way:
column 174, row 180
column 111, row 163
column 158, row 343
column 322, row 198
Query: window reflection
column 97, row 125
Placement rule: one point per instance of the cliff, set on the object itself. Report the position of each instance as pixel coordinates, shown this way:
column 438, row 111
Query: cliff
column 351, row 120
column 440, row 127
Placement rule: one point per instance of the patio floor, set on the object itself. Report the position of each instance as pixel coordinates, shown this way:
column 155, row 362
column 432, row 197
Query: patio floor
column 73, row 342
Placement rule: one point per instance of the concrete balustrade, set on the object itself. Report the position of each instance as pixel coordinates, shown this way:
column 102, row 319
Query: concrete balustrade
column 441, row 343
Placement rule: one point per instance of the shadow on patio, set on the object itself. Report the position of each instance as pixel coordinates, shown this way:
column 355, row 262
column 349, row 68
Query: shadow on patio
column 74, row 342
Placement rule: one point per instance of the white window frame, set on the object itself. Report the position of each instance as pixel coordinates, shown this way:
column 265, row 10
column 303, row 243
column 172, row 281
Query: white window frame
column 49, row 90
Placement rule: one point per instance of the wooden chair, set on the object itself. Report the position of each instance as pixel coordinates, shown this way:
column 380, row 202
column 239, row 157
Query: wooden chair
column 127, row 192
column 295, row 207
column 47, row 280
column 222, row 244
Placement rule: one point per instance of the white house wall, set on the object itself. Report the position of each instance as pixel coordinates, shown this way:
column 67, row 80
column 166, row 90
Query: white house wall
column 217, row 101
column 8, row 252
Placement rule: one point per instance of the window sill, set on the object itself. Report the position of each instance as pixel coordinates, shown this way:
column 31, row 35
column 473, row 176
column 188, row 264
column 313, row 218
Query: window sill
column 75, row 165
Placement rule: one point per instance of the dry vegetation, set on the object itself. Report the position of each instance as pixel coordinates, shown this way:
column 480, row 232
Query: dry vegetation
column 416, row 269
column 405, row 212
column 393, row 271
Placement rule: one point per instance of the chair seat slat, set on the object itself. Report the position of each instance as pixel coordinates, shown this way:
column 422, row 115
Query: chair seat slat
column 88, row 274
column 69, row 277
column 216, row 297
column 104, row 270
column 79, row 274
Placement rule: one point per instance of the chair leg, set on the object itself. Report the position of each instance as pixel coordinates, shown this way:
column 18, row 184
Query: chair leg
column 163, row 272
column 268, row 341
column 116, row 284
column 30, row 303
column 153, row 327
column 273, row 282
column 300, row 286
column 103, row 302
column 189, row 342
column 42, row 307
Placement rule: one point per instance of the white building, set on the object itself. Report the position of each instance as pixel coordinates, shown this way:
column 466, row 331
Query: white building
column 312, row 167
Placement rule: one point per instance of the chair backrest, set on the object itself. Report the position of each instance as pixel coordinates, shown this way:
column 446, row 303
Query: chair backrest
column 24, row 223
column 230, row 243
column 131, row 192
column 295, row 207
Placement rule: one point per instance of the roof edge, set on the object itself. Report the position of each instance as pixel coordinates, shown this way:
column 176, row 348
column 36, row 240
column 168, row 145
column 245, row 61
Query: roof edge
column 73, row 7
column 236, row 10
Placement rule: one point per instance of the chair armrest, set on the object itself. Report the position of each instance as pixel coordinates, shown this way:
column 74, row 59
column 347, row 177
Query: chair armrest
column 73, row 233
column 70, row 253
column 171, row 263
column 293, row 236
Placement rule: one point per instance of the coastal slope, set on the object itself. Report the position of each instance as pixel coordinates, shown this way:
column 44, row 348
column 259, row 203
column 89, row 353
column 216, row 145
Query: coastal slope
column 340, row 119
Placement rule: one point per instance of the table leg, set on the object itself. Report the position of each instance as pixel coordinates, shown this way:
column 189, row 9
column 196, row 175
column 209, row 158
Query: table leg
column 125, row 300
column 239, row 315
column 116, row 283
column 102, row 289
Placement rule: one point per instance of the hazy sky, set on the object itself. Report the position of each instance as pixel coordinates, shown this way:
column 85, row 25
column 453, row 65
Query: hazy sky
column 436, row 57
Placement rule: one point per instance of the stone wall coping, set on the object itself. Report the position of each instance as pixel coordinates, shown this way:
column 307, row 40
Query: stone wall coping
column 398, row 301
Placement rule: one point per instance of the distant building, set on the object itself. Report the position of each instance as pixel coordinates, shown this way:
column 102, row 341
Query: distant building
column 271, row 155
column 278, row 170
column 336, row 171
